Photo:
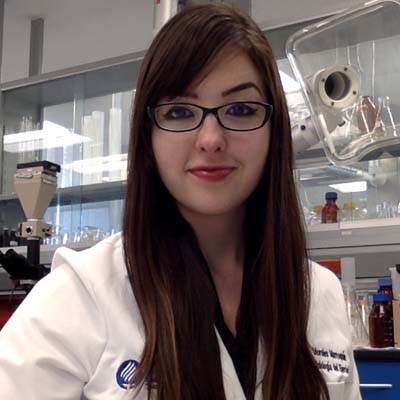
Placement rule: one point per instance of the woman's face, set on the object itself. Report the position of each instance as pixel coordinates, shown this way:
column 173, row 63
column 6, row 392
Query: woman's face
column 212, row 170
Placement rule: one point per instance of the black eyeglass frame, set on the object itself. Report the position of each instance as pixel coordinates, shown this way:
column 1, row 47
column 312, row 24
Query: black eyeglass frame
column 151, row 111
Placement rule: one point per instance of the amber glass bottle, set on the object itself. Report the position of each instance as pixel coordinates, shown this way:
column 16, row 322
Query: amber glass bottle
column 330, row 210
column 381, row 322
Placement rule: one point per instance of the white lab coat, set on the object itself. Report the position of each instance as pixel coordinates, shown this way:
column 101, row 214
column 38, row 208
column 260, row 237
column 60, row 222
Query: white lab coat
column 79, row 334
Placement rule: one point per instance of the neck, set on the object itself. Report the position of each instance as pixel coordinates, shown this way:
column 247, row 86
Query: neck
column 220, row 238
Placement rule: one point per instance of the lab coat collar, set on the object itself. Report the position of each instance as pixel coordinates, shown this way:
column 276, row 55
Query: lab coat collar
column 233, row 388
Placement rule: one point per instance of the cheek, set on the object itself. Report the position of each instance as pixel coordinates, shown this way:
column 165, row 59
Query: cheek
column 169, row 161
column 254, row 151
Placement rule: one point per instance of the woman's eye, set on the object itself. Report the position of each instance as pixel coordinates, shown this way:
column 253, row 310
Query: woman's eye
column 178, row 113
column 241, row 109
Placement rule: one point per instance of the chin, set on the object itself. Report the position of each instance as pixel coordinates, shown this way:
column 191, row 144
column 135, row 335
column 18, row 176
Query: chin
column 211, row 209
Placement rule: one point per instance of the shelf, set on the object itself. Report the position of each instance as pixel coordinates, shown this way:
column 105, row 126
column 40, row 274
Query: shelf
column 81, row 194
column 367, row 223
column 372, row 232
column 103, row 75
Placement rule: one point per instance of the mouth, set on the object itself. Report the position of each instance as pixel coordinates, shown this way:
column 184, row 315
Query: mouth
column 212, row 174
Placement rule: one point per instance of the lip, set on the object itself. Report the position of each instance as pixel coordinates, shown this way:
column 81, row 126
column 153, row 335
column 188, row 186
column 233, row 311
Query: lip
column 212, row 173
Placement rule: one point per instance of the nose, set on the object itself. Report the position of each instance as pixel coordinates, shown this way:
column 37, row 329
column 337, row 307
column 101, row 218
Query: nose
column 211, row 136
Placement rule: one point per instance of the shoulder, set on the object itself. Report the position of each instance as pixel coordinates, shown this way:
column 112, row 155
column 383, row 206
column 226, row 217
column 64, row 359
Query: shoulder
column 100, row 256
column 101, row 270
column 78, row 278
column 324, row 283
column 327, row 305
column 82, row 323
column 98, row 266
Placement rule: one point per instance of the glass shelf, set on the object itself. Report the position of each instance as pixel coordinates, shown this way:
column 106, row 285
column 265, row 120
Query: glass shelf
column 367, row 190
column 78, row 118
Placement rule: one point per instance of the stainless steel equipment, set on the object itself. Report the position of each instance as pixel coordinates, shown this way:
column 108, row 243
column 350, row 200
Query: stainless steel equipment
column 35, row 184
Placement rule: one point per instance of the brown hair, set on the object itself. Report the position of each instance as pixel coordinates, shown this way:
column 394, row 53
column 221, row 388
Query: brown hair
column 167, row 271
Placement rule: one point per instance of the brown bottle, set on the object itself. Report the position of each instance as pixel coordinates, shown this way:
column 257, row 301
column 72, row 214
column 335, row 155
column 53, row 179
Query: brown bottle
column 330, row 210
column 381, row 322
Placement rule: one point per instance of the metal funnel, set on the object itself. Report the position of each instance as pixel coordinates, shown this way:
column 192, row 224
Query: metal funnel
column 35, row 184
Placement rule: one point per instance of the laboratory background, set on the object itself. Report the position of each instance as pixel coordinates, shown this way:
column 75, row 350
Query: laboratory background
column 68, row 71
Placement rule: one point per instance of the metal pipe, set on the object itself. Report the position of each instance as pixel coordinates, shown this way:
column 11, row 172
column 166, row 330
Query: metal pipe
column 163, row 11
column 356, row 173
column 36, row 47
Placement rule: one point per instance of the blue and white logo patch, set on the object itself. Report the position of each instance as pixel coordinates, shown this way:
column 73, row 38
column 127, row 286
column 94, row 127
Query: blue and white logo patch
column 125, row 373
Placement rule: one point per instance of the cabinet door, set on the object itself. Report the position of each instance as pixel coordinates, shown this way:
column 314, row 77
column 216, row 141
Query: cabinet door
column 80, row 121
column 379, row 373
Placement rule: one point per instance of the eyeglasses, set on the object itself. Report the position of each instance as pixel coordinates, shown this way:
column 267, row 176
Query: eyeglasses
column 238, row 116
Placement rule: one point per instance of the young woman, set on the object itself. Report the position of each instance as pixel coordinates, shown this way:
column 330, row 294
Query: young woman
column 208, row 293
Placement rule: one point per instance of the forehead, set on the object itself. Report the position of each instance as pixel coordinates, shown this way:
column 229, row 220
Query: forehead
column 228, row 69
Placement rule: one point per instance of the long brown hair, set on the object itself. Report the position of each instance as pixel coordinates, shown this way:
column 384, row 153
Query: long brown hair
column 166, row 268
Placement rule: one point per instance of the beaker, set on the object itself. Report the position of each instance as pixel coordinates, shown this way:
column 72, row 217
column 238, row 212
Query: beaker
column 386, row 116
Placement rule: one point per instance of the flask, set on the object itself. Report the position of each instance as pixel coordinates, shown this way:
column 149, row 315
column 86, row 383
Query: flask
column 388, row 124
column 363, row 116
column 380, row 322
column 330, row 210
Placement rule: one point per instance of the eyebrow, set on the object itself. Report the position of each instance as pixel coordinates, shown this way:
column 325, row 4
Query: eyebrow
column 240, row 87
column 237, row 88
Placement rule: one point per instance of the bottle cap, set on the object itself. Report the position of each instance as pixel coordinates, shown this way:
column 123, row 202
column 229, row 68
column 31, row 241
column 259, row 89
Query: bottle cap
column 385, row 281
column 330, row 196
column 380, row 297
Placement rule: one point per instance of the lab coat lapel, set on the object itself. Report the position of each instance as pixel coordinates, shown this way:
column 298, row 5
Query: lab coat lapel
column 233, row 388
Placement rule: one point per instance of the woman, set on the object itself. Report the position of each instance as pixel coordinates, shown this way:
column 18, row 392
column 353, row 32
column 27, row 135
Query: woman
column 208, row 294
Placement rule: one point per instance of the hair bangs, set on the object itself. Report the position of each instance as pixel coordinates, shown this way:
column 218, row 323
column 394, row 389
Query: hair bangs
column 197, row 46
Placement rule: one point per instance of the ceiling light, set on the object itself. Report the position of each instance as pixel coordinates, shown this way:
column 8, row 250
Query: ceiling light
column 350, row 187
column 114, row 162
column 51, row 136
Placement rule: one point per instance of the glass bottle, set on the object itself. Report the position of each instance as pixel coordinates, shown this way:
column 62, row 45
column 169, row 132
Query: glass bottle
column 330, row 210
column 348, row 211
column 359, row 334
column 380, row 322
column 315, row 215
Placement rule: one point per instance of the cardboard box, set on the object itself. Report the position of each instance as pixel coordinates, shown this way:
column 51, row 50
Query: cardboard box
column 396, row 323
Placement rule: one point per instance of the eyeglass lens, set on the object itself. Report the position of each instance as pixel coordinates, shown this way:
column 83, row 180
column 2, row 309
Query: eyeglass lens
column 236, row 116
